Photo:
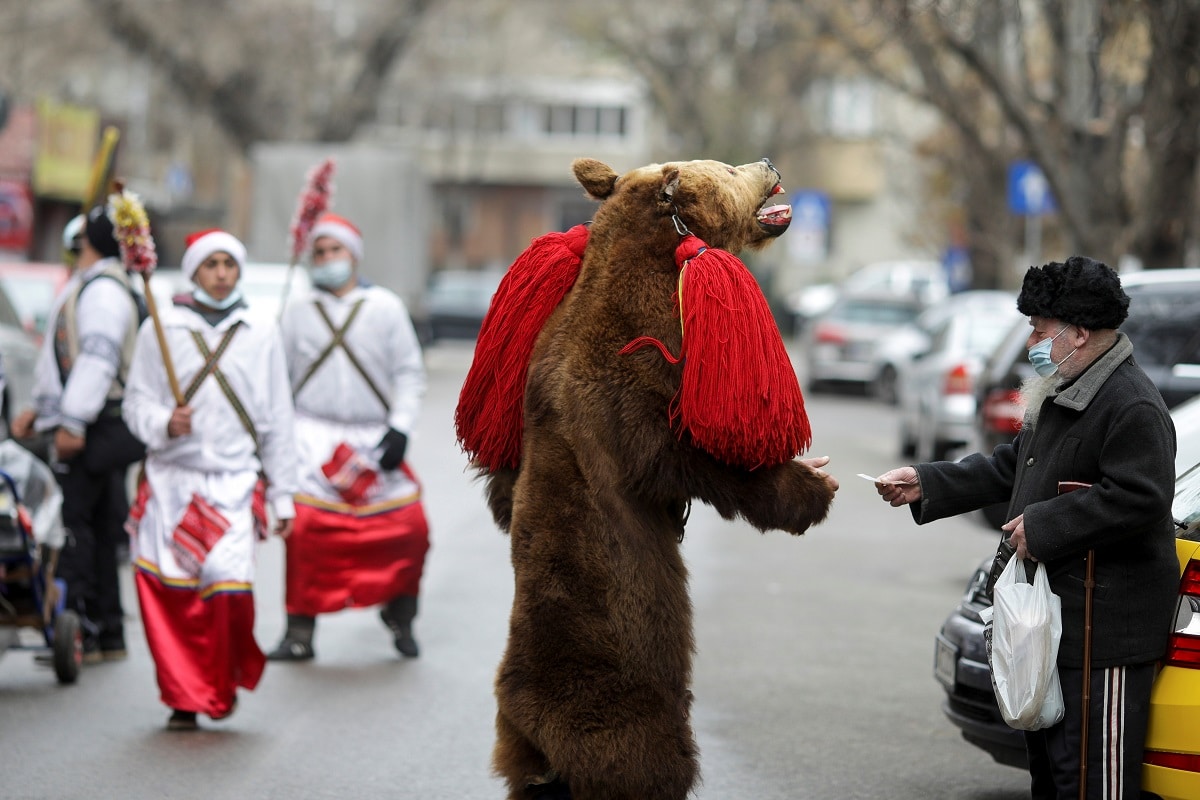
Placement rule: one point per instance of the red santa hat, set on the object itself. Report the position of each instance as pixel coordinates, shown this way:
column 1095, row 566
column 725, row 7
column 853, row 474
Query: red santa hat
column 343, row 230
column 202, row 244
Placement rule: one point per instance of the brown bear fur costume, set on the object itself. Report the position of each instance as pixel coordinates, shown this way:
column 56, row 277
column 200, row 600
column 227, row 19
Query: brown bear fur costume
column 592, row 691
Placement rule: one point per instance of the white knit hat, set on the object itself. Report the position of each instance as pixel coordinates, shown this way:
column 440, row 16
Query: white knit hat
column 343, row 230
column 202, row 244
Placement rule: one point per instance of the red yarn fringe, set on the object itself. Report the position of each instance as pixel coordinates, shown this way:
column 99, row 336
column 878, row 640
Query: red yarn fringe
column 739, row 399
column 490, row 417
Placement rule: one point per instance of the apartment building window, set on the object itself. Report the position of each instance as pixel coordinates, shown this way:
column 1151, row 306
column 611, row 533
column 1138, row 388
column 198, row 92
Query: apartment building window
column 584, row 120
column 844, row 107
column 525, row 119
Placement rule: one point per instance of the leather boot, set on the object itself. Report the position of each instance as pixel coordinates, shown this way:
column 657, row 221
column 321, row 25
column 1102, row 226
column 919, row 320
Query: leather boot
column 296, row 644
column 398, row 615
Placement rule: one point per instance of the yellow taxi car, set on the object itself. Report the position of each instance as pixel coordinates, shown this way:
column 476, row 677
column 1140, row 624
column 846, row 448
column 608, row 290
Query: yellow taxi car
column 1171, row 767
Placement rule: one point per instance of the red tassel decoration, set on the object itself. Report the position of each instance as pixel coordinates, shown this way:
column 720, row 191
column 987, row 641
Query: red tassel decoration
column 490, row 418
column 739, row 398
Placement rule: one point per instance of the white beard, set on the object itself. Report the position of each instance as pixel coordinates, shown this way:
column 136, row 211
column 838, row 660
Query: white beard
column 1033, row 391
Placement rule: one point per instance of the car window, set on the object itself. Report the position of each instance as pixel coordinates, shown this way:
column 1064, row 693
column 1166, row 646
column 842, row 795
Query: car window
column 875, row 313
column 8, row 314
column 1164, row 323
column 985, row 332
column 32, row 298
column 1186, row 506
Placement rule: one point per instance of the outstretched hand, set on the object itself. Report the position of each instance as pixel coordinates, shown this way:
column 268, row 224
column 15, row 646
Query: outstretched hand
column 899, row 486
column 815, row 465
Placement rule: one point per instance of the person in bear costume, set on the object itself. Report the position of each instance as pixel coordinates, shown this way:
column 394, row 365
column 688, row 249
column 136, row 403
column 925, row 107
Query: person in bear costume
column 624, row 369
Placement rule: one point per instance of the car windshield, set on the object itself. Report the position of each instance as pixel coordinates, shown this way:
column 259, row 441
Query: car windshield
column 1164, row 322
column 1186, row 506
column 32, row 298
column 875, row 313
column 985, row 332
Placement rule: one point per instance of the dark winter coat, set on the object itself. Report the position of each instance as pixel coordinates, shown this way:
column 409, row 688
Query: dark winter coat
column 1109, row 428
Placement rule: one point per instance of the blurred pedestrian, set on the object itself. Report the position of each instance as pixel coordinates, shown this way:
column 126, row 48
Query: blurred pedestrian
column 201, row 505
column 358, row 378
column 79, row 382
column 23, row 427
column 1092, row 418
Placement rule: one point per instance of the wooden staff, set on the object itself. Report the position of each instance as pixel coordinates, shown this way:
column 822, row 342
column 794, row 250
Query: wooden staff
column 102, row 166
column 313, row 201
column 161, row 336
column 138, row 253
column 1089, row 585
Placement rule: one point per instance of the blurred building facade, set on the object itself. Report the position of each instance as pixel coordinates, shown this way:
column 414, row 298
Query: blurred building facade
column 494, row 108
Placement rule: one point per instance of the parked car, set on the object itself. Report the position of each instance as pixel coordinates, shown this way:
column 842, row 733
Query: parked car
column 927, row 281
column 1164, row 326
column 456, row 303
column 18, row 355
column 844, row 344
column 32, row 287
column 936, row 387
column 1171, row 770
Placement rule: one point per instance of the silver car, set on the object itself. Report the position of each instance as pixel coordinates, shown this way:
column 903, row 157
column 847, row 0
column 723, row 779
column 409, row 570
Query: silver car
column 937, row 386
column 845, row 344
column 18, row 354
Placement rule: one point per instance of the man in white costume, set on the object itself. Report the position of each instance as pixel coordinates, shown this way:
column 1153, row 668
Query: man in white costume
column 357, row 377
column 78, row 383
column 197, row 514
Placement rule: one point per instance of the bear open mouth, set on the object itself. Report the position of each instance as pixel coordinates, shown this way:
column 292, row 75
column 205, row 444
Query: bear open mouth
column 774, row 219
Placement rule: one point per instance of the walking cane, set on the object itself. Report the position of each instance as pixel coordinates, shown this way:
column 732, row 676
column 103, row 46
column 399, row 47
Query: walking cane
column 1089, row 584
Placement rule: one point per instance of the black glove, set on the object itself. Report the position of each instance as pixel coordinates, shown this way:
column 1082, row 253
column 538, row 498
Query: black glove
column 392, row 447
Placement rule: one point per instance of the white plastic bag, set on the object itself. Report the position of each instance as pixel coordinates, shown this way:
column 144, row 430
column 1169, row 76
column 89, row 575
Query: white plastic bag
column 1025, row 627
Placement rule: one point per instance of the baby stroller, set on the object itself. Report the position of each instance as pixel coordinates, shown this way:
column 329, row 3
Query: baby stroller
column 31, row 536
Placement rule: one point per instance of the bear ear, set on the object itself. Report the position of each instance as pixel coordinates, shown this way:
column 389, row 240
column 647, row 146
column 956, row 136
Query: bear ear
column 670, row 184
column 596, row 177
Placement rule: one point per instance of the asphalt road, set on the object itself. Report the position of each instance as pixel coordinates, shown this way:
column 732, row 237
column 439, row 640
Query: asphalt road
column 813, row 676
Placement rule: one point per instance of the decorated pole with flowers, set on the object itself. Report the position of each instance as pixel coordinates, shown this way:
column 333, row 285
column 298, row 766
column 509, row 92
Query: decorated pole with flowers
column 313, row 202
column 131, row 227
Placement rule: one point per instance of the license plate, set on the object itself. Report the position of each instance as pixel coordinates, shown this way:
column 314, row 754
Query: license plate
column 945, row 663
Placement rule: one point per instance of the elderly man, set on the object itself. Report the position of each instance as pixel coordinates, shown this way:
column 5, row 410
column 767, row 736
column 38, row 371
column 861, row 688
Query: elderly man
column 1092, row 418
column 358, row 379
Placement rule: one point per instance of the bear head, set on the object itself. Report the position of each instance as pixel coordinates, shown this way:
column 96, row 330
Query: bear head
column 725, row 206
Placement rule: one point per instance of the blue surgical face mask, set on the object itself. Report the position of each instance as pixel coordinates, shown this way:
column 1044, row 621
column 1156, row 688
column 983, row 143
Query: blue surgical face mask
column 1039, row 355
column 332, row 274
column 204, row 298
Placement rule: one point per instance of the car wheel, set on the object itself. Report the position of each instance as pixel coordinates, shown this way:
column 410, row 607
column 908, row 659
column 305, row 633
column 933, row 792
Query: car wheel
column 926, row 444
column 885, row 387
column 908, row 443
column 941, row 450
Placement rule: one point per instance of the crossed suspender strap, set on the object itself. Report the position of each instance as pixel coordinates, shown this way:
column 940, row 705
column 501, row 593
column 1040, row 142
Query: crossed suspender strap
column 211, row 368
column 339, row 340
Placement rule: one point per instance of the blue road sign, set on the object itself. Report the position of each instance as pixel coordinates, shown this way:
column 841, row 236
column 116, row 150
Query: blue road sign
column 810, row 209
column 808, row 236
column 1028, row 190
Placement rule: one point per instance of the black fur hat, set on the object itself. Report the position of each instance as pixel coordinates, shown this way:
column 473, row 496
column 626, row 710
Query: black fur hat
column 1081, row 292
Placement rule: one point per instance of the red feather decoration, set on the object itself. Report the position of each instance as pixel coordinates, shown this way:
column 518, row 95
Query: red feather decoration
column 490, row 418
column 739, row 398
column 313, row 202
